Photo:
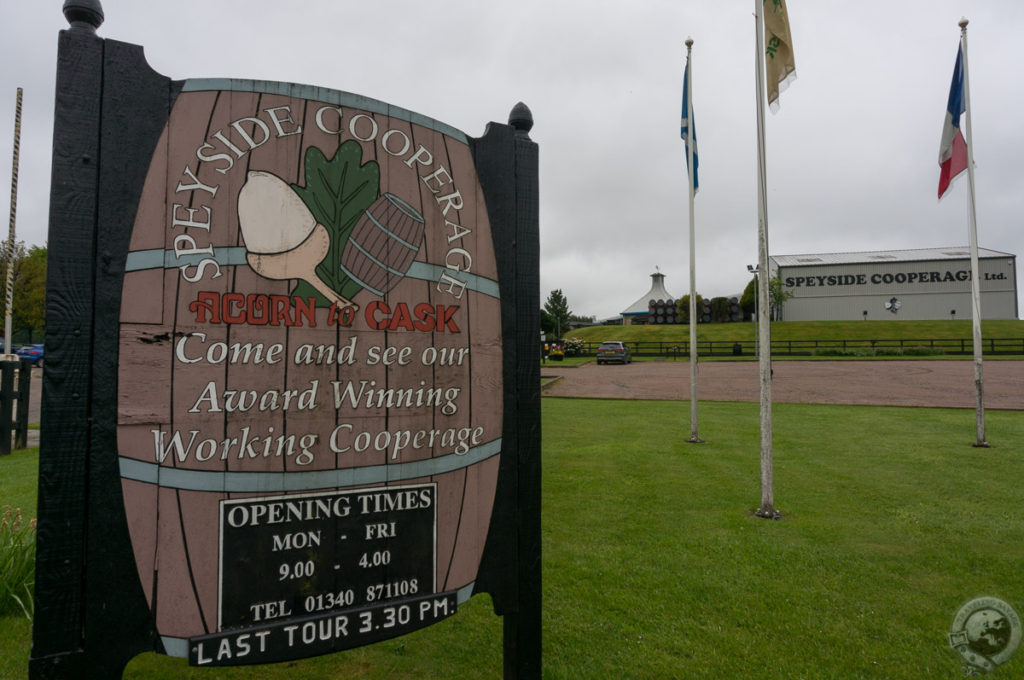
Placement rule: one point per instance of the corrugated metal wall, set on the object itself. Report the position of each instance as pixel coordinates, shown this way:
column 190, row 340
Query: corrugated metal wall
column 930, row 289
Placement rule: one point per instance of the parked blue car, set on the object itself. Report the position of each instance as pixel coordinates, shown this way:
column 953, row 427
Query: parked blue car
column 33, row 353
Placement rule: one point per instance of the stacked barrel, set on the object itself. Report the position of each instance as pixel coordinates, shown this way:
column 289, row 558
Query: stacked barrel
column 662, row 312
column 735, row 313
column 708, row 310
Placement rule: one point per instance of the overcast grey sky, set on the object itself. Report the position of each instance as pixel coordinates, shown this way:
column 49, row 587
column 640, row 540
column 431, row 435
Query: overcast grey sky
column 852, row 154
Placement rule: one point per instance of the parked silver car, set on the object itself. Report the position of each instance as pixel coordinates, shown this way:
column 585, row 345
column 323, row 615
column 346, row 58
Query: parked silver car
column 613, row 350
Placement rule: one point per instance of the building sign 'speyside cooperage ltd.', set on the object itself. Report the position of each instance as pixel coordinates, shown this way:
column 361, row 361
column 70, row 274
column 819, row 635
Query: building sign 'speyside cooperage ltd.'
column 929, row 283
column 922, row 278
column 310, row 373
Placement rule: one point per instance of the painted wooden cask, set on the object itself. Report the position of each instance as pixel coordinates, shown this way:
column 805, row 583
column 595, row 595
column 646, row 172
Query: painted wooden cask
column 310, row 378
column 383, row 244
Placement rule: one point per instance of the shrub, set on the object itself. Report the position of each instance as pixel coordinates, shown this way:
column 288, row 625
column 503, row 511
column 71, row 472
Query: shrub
column 877, row 352
column 574, row 347
column 909, row 351
column 17, row 563
column 923, row 351
column 840, row 352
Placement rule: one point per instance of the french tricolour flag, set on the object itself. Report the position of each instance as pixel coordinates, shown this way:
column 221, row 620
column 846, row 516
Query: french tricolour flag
column 953, row 150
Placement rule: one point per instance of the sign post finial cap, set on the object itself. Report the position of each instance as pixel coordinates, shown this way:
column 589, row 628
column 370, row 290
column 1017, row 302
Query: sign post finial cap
column 521, row 118
column 84, row 14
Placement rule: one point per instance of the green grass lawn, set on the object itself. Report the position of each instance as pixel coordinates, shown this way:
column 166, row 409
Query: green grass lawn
column 655, row 567
column 18, row 473
column 567, row 361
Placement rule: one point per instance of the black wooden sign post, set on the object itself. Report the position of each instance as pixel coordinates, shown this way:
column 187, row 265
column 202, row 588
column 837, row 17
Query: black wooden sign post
column 292, row 402
column 15, row 384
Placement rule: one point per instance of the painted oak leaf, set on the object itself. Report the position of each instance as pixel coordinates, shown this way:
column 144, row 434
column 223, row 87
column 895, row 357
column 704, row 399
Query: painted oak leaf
column 337, row 192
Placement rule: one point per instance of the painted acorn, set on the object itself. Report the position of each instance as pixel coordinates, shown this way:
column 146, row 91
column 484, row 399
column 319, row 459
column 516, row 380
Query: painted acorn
column 283, row 239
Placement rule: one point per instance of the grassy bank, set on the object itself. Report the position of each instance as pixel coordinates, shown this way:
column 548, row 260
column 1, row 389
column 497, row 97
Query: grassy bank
column 654, row 566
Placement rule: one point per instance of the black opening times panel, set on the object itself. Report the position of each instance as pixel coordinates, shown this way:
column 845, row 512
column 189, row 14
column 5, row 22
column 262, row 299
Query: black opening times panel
column 305, row 555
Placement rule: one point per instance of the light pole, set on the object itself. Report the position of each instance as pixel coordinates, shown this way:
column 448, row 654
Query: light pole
column 753, row 270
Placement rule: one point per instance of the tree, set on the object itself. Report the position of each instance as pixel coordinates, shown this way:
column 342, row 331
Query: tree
column 683, row 305
column 29, row 291
column 720, row 310
column 558, row 312
column 547, row 324
column 748, row 301
column 777, row 296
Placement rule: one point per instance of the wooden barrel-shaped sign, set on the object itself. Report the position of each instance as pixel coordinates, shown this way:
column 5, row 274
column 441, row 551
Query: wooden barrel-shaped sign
column 310, row 375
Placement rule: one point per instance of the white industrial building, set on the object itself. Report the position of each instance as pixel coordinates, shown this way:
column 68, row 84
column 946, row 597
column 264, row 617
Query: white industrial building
column 925, row 283
column 641, row 312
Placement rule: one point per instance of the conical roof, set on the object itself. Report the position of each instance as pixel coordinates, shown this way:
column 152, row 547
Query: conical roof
column 657, row 292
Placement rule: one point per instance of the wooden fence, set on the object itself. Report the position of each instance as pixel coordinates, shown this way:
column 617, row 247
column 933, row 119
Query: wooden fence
column 882, row 347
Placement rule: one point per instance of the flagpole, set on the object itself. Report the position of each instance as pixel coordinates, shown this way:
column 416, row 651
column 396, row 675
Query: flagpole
column 9, row 255
column 975, row 270
column 694, row 438
column 767, row 508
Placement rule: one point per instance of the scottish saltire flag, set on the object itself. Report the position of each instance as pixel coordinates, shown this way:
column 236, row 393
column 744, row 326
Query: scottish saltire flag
column 685, row 124
column 953, row 149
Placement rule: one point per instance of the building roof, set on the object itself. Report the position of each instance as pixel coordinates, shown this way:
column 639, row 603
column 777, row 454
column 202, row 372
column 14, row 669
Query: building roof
column 876, row 256
column 657, row 292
